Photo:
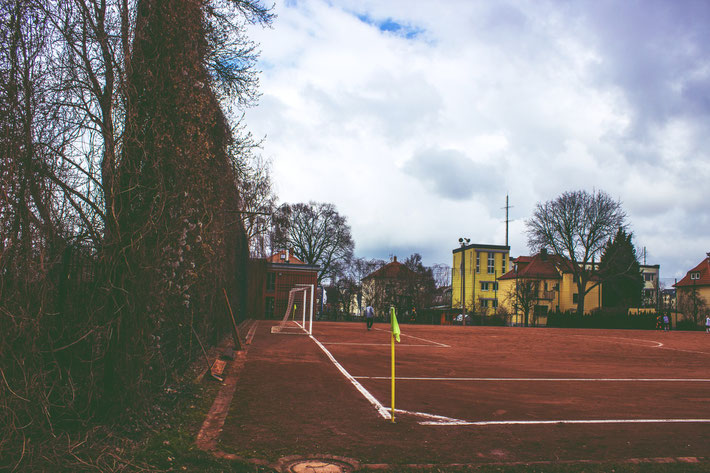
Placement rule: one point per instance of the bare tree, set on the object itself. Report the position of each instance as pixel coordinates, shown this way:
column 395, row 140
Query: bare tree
column 523, row 296
column 442, row 274
column 316, row 232
column 258, row 200
column 576, row 226
column 692, row 305
column 420, row 286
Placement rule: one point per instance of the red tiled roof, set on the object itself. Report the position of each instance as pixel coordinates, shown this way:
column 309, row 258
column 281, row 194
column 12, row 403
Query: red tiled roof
column 523, row 259
column 541, row 266
column 393, row 270
column 704, row 269
column 276, row 258
column 536, row 267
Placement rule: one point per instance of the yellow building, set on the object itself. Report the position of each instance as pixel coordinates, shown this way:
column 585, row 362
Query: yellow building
column 693, row 292
column 476, row 269
column 541, row 284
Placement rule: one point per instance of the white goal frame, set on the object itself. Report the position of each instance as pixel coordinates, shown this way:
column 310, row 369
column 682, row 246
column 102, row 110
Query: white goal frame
column 306, row 313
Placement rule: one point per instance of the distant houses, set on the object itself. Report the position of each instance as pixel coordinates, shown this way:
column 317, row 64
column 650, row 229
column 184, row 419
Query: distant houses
column 476, row 269
column 544, row 283
column 272, row 278
column 693, row 292
column 392, row 285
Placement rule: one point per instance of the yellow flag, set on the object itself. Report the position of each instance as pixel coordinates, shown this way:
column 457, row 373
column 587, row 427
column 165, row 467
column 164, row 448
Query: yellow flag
column 395, row 325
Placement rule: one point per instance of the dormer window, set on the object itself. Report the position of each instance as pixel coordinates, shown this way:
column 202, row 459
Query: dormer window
column 695, row 275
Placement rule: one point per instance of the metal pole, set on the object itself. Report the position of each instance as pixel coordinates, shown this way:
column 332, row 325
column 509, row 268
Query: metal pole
column 463, row 286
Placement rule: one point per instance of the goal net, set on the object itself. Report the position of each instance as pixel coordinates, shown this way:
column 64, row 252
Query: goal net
column 298, row 319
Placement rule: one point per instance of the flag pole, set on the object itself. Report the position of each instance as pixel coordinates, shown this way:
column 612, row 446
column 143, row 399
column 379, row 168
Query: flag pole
column 395, row 338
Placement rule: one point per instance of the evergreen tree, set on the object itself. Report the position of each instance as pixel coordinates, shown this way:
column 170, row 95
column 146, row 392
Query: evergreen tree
column 620, row 270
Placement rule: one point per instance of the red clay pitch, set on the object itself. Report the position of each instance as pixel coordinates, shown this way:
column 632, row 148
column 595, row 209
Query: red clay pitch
column 646, row 395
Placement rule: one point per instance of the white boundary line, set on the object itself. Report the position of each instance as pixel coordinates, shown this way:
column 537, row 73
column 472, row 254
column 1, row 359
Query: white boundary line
column 657, row 344
column 685, row 351
column 448, row 421
column 380, row 408
column 652, row 380
column 544, row 422
column 376, row 344
column 443, row 345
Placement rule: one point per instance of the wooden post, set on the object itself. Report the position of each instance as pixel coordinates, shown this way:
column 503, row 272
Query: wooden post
column 235, row 330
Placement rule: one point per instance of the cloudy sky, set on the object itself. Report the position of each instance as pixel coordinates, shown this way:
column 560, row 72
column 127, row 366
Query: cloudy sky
column 416, row 118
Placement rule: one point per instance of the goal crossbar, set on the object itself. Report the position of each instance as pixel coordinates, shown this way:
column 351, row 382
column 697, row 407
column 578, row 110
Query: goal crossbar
column 289, row 324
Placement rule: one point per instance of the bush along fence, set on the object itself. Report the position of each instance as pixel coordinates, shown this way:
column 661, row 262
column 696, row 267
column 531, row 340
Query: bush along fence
column 619, row 319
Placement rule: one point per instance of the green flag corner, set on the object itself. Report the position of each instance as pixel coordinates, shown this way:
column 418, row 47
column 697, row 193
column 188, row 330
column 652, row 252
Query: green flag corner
column 395, row 325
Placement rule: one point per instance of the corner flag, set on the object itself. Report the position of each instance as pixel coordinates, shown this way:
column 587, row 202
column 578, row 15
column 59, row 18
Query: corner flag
column 395, row 336
column 395, row 325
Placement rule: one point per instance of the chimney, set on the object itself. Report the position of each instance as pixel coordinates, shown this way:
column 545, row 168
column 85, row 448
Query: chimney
column 543, row 254
column 287, row 254
column 394, row 259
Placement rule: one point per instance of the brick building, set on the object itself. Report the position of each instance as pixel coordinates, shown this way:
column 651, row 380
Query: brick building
column 271, row 279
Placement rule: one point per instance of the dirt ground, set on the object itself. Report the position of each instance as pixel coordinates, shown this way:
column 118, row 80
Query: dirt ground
column 648, row 394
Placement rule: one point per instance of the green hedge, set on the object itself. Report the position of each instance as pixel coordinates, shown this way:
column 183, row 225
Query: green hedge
column 604, row 318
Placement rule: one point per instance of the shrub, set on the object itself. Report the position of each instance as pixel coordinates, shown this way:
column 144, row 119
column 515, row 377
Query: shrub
column 687, row 324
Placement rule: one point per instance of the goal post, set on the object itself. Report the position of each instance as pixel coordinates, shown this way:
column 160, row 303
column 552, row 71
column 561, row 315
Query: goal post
column 290, row 324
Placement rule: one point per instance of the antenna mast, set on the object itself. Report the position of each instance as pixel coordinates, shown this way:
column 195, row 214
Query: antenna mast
column 507, row 221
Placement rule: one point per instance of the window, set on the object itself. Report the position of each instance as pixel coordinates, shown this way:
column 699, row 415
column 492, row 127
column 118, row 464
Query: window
column 491, row 262
column 269, row 307
column 478, row 262
column 694, row 275
column 484, row 302
column 502, row 265
column 648, row 276
column 494, row 303
column 575, row 298
column 270, row 281
column 489, row 286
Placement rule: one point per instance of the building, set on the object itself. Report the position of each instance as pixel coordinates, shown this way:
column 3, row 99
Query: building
column 650, row 295
column 393, row 285
column 271, row 279
column 541, row 284
column 475, row 272
column 693, row 292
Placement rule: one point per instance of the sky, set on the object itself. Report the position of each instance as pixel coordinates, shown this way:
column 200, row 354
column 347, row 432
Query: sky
column 417, row 118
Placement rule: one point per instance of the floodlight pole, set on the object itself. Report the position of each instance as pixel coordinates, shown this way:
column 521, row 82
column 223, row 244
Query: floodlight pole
column 463, row 242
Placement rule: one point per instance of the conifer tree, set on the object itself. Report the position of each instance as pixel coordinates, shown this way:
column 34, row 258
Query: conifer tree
column 620, row 270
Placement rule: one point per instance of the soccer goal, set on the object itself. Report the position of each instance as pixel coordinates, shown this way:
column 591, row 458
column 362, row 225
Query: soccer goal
column 298, row 319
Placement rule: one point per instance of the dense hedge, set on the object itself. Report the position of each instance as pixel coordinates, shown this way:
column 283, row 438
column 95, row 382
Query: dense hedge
column 607, row 318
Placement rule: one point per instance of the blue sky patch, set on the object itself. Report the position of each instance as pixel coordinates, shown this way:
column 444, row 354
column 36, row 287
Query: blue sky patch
column 391, row 26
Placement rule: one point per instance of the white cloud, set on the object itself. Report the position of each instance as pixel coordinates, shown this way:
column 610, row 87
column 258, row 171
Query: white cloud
column 416, row 119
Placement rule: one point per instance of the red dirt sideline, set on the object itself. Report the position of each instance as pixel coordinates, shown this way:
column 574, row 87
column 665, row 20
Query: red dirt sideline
column 292, row 400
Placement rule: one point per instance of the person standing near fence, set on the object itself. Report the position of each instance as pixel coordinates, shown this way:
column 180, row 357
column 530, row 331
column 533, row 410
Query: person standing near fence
column 369, row 316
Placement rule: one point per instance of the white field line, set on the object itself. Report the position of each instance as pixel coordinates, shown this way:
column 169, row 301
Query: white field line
column 380, row 408
column 653, row 380
column 402, row 334
column 448, row 421
column 252, row 331
column 375, row 344
column 686, row 351
column 657, row 344
column 624, row 339
column 544, row 422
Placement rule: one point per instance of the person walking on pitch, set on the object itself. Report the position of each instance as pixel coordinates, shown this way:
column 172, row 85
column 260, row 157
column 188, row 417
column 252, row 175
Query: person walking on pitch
column 369, row 316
